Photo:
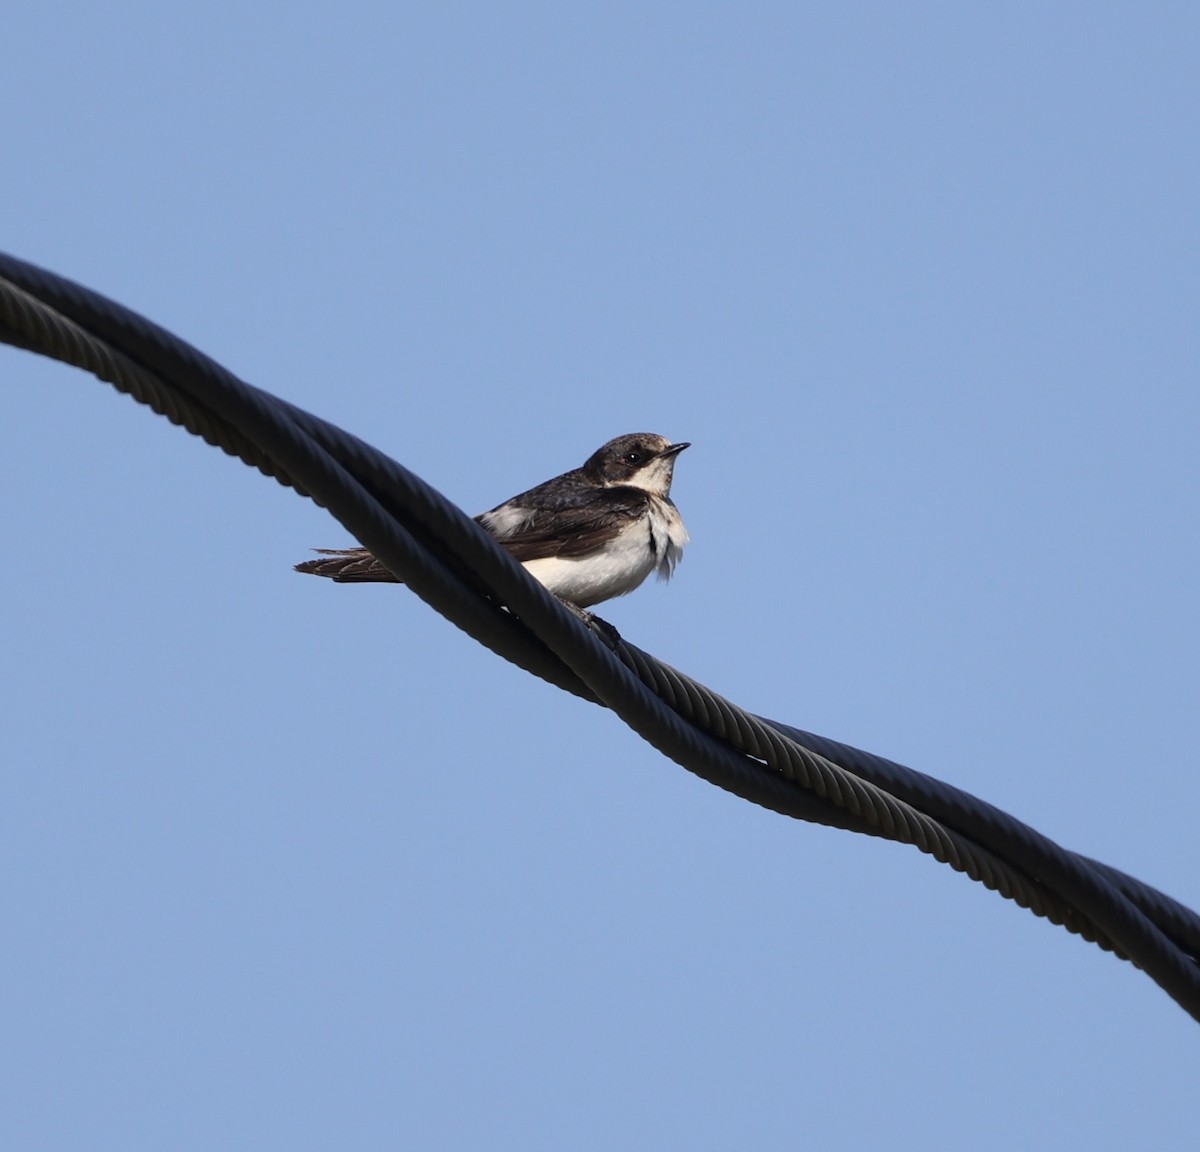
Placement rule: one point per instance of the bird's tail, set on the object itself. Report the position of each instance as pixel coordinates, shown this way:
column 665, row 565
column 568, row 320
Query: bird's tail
column 348, row 566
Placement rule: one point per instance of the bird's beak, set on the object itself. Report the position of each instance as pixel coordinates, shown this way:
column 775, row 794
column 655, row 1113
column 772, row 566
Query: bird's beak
column 675, row 449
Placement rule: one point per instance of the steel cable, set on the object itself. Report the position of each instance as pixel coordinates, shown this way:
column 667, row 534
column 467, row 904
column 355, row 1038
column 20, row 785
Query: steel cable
column 460, row 571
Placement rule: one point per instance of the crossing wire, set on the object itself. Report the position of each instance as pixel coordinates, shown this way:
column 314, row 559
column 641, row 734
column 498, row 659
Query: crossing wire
column 460, row 571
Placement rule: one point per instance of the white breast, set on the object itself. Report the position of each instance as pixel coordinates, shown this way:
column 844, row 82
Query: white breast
column 654, row 543
column 667, row 534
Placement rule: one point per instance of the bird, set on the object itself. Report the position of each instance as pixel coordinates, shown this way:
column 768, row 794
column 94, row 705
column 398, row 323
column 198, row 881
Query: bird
column 589, row 535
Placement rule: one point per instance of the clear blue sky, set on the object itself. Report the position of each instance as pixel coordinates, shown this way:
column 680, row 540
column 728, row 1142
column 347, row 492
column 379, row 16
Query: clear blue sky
column 291, row 865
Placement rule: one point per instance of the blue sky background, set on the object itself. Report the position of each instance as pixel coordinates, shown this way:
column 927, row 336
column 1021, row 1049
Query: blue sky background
column 290, row 865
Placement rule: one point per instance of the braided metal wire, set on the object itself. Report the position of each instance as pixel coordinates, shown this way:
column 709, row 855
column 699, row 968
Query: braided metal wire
column 443, row 556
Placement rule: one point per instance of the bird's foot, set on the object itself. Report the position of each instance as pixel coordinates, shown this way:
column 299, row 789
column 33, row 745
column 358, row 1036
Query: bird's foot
column 602, row 628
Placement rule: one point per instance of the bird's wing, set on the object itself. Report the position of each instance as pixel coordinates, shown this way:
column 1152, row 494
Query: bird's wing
column 571, row 525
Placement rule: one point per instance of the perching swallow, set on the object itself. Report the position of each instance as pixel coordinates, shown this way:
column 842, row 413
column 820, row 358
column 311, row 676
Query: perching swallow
column 588, row 535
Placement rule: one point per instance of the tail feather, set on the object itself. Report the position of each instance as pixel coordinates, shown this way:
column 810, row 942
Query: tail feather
column 348, row 566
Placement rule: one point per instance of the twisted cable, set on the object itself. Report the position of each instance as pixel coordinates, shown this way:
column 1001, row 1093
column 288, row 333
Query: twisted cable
column 460, row 570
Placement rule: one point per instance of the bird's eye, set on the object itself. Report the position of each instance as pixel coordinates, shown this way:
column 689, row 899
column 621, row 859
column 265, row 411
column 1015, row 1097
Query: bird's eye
column 633, row 457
